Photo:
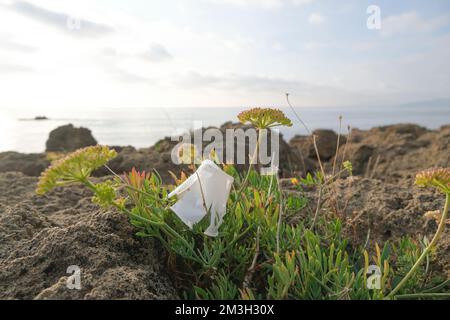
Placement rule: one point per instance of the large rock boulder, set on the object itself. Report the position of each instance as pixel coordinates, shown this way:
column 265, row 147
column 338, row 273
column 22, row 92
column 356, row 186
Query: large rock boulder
column 326, row 141
column 389, row 153
column 398, row 151
column 68, row 138
column 31, row 164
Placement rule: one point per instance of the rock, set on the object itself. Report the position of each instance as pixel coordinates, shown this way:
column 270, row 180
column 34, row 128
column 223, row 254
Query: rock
column 397, row 152
column 40, row 118
column 289, row 161
column 360, row 155
column 40, row 237
column 413, row 130
column 159, row 157
column 390, row 153
column 145, row 159
column 68, row 138
column 326, row 141
column 31, row 164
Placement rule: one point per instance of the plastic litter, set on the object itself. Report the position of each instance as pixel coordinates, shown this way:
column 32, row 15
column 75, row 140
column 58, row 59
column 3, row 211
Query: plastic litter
column 206, row 190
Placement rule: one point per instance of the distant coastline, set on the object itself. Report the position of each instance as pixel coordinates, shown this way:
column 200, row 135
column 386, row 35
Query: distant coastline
column 401, row 143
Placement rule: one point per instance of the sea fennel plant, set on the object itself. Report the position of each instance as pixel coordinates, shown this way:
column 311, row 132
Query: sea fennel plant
column 438, row 178
column 258, row 253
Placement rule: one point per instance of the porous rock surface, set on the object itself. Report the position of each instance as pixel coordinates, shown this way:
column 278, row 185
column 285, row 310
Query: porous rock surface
column 41, row 236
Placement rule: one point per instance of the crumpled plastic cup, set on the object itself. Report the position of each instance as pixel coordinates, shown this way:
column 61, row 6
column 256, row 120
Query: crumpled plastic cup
column 209, row 186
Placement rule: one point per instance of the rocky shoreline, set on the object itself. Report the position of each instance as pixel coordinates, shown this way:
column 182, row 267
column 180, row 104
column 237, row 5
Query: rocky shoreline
column 389, row 153
column 40, row 236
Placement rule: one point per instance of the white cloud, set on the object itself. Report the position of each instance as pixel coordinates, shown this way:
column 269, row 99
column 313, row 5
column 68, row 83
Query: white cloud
column 268, row 88
column 10, row 45
column 410, row 77
column 61, row 20
column 411, row 23
column 302, row 2
column 251, row 3
column 315, row 45
column 316, row 18
column 164, row 61
column 156, row 53
column 268, row 4
column 7, row 68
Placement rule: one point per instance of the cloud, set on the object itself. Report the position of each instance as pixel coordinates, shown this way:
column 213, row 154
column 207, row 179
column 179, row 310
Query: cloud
column 312, row 45
column 302, row 2
column 156, row 53
column 266, row 89
column 62, row 21
column 251, row 3
column 171, row 61
column 244, row 82
column 316, row 18
column 268, row 4
column 125, row 76
column 13, row 68
column 411, row 23
column 14, row 46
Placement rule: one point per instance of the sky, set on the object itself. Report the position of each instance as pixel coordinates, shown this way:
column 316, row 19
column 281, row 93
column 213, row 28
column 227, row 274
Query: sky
column 188, row 53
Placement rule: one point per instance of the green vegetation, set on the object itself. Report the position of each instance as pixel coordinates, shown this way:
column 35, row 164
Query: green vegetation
column 260, row 252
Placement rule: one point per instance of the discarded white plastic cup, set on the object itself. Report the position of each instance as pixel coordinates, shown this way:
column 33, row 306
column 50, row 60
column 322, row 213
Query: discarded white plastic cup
column 209, row 186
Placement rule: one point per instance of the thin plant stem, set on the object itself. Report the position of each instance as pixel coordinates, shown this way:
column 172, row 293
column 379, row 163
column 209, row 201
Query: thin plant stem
column 309, row 132
column 112, row 172
column 280, row 215
column 252, row 160
column 202, row 193
column 245, row 181
column 316, row 214
column 296, row 115
column 349, row 136
column 251, row 269
column 375, row 166
column 269, row 192
column 126, row 185
column 318, row 156
column 316, row 149
column 337, row 145
column 433, row 242
column 335, row 197
column 369, row 163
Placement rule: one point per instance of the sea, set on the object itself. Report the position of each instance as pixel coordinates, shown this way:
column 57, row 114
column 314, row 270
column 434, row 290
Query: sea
column 143, row 127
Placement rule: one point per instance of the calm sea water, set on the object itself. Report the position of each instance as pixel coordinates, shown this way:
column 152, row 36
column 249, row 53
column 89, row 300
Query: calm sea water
column 143, row 127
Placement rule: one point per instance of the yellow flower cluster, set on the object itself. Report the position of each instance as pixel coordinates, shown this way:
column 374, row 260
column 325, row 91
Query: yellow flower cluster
column 75, row 167
column 435, row 177
column 264, row 118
